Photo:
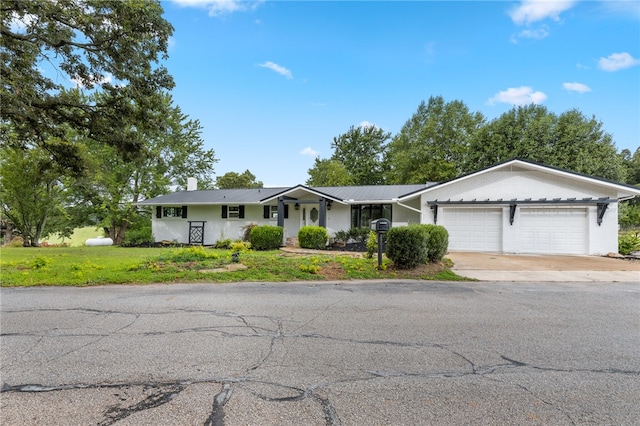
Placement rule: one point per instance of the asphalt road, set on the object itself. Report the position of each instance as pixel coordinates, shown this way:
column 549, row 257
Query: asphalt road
column 375, row 353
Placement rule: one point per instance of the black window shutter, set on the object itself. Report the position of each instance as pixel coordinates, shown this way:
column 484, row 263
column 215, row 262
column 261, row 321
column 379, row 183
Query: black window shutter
column 286, row 211
column 224, row 212
column 241, row 212
column 265, row 212
column 158, row 212
column 184, row 212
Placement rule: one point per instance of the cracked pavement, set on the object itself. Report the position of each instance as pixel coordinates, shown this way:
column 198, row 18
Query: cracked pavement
column 375, row 353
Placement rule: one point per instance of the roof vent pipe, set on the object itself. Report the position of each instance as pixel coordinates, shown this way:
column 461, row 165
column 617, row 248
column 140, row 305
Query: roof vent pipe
column 192, row 184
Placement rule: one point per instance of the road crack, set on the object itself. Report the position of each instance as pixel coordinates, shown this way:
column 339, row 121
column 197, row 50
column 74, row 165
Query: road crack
column 216, row 418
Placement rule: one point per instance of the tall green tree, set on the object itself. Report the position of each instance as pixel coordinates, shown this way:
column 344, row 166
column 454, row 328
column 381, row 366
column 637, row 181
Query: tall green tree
column 569, row 140
column 114, row 47
column 32, row 195
column 631, row 163
column 433, row 143
column 232, row 180
column 171, row 153
column 361, row 151
column 328, row 172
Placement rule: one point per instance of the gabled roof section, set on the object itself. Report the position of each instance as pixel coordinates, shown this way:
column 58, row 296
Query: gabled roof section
column 628, row 190
column 299, row 191
column 351, row 194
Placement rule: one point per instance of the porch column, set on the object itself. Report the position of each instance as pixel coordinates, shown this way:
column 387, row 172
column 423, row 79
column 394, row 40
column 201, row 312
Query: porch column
column 323, row 212
column 281, row 212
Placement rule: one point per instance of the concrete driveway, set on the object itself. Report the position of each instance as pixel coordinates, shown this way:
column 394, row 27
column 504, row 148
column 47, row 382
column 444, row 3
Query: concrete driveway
column 516, row 267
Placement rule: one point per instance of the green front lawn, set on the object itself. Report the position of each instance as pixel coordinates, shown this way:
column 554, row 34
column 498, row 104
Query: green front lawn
column 86, row 266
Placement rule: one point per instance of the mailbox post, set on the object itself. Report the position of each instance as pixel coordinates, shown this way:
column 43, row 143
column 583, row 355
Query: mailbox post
column 381, row 226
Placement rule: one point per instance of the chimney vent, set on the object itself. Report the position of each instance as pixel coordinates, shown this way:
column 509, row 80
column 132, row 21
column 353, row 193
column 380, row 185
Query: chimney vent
column 192, row 184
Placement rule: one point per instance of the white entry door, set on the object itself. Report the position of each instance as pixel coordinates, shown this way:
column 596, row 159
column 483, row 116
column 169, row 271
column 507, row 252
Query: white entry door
column 553, row 230
column 473, row 229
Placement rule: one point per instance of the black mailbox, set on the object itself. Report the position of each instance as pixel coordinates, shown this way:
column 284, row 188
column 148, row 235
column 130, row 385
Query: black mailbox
column 380, row 225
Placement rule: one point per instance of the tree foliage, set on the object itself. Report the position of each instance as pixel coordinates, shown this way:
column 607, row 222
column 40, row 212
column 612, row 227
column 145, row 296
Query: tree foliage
column 53, row 50
column 631, row 163
column 328, row 172
column 570, row 141
column 171, row 154
column 361, row 150
column 231, row 180
column 32, row 194
column 433, row 143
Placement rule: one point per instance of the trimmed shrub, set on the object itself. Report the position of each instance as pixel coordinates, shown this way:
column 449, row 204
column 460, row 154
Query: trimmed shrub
column 313, row 237
column 406, row 246
column 266, row 237
column 438, row 244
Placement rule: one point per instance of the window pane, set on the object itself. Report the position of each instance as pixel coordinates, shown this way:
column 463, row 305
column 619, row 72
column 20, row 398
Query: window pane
column 355, row 216
column 386, row 211
column 365, row 216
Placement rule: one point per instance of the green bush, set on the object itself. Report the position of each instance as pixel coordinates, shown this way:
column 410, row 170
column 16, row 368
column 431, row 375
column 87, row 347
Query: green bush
column 372, row 244
column 629, row 242
column 313, row 237
column 240, row 246
column 359, row 234
column 438, row 243
column 223, row 244
column 341, row 236
column 139, row 231
column 266, row 237
column 406, row 246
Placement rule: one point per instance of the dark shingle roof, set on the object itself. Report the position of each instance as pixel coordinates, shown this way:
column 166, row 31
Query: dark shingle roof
column 255, row 196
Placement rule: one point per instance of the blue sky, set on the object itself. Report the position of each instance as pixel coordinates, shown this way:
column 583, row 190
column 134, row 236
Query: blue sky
column 274, row 82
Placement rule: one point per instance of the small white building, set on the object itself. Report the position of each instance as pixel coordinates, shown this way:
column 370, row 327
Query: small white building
column 514, row 207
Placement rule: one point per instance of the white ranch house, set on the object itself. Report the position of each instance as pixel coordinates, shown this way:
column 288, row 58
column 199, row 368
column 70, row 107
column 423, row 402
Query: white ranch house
column 514, row 207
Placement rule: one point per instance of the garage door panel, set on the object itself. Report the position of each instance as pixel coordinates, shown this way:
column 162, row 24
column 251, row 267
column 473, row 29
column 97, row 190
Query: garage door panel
column 553, row 230
column 474, row 229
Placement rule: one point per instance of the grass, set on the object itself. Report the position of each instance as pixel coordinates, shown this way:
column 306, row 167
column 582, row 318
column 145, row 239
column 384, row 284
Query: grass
column 78, row 238
column 86, row 266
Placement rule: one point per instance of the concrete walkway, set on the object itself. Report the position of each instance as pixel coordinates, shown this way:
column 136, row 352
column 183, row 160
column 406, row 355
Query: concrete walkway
column 506, row 267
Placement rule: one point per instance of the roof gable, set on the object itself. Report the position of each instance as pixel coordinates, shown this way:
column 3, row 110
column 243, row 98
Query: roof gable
column 622, row 190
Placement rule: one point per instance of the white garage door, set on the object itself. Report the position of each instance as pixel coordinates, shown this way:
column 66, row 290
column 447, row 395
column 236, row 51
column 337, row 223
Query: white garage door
column 553, row 230
column 473, row 229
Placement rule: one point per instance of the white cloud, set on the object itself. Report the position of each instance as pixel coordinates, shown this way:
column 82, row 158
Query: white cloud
column 530, row 11
column 221, row 7
column 310, row 152
column 522, row 95
column 537, row 34
column 364, row 124
column 617, row 61
column 576, row 87
column 277, row 68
